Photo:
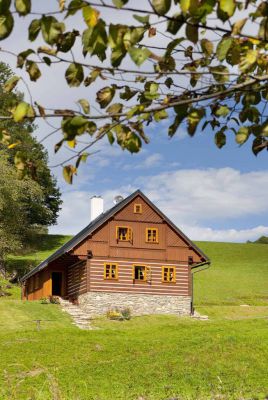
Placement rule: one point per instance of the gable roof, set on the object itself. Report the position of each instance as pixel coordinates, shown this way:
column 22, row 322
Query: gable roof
column 99, row 221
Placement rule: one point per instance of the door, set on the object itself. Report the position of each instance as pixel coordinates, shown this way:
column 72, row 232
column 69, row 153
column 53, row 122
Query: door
column 56, row 283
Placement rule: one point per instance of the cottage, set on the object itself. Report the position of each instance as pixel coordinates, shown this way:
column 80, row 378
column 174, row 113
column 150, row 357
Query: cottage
column 131, row 255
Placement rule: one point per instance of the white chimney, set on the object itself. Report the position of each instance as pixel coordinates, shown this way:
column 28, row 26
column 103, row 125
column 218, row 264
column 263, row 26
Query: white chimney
column 96, row 207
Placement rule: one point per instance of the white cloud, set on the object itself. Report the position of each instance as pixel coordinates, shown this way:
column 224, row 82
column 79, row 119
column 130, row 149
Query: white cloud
column 224, row 235
column 192, row 199
column 190, row 196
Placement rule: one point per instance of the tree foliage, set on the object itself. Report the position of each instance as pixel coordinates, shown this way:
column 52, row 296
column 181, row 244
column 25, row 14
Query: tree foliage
column 210, row 73
column 29, row 157
column 15, row 195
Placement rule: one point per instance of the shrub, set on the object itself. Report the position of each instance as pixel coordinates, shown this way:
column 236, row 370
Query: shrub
column 50, row 300
column 119, row 314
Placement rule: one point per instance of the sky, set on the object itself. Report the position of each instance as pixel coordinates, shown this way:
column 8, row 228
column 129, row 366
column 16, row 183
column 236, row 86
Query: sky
column 211, row 194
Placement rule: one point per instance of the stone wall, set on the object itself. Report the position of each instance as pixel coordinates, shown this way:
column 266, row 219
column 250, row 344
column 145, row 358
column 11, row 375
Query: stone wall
column 97, row 303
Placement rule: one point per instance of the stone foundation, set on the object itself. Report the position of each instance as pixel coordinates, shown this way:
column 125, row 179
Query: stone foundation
column 97, row 303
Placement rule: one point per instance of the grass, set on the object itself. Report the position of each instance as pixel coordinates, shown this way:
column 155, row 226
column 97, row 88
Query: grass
column 44, row 247
column 153, row 357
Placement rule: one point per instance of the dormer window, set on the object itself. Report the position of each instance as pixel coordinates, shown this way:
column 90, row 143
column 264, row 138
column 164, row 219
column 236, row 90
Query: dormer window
column 137, row 208
column 151, row 235
column 123, row 233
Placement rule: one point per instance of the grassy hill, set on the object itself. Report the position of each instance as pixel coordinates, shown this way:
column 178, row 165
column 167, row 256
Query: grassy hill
column 149, row 358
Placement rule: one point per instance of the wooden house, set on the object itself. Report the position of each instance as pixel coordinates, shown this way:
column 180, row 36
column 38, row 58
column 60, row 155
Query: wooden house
column 129, row 256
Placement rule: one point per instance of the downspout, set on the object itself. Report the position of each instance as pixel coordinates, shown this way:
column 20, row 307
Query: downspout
column 207, row 265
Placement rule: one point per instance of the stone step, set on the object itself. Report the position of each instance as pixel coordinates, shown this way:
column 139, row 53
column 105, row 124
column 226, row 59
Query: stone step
column 80, row 318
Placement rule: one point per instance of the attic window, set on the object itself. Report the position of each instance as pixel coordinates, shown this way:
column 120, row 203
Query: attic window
column 137, row 209
column 151, row 235
column 123, row 233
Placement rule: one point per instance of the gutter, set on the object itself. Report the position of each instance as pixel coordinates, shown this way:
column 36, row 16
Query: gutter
column 205, row 264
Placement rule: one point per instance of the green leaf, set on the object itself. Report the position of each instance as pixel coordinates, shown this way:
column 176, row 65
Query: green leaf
column 185, row 5
column 4, row 6
column 151, row 90
column 105, row 96
column 20, row 111
column 85, row 105
column 11, row 84
column 172, row 45
column 226, row 9
column 256, row 145
column 95, row 40
column 192, row 33
column 68, row 172
column 23, row 56
column 161, row 7
column 51, row 29
column 33, row 70
column 175, row 24
column 6, row 25
column 238, row 26
column 95, row 73
column 223, row 48
column 73, row 126
column 263, row 30
column 139, row 55
column 159, row 115
column 34, row 29
column 74, row 6
column 66, row 41
column 207, row 47
column 91, row 16
column 220, row 73
column 120, row 3
column 143, row 20
column 74, row 75
column 242, row 135
column 115, row 108
column 127, row 139
column 194, row 117
column 220, row 139
column 222, row 111
column 248, row 59
column 23, row 7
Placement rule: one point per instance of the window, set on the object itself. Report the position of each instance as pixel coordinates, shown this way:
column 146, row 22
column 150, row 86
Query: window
column 137, row 208
column 139, row 272
column 168, row 274
column 123, row 233
column 110, row 271
column 151, row 235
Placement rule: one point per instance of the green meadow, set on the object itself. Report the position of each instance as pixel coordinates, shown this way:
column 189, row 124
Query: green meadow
column 146, row 358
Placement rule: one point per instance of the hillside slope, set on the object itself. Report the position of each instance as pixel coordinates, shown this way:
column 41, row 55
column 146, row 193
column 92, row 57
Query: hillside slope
column 238, row 273
column 153, row 357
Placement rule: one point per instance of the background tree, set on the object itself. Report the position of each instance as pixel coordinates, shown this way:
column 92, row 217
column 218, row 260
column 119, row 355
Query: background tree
column 209, row 72
column 15, row 196
column 25, row 148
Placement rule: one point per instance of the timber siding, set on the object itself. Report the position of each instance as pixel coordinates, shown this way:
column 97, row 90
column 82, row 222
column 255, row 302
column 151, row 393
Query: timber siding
column 82, row 261
column 126, row 283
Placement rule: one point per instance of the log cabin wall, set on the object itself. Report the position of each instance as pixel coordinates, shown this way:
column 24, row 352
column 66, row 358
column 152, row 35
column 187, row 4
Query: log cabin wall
column 171, row 250
column 76, row 280
column 40, row 284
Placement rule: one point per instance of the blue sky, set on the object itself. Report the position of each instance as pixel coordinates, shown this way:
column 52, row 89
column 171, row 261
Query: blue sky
column 210, row 194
